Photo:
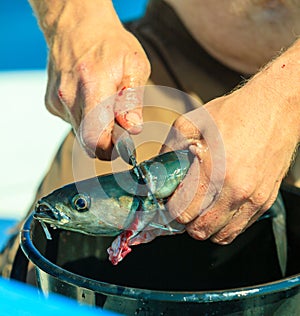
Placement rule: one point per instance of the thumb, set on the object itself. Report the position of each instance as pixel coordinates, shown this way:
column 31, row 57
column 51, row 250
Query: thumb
column 182, row 134
column 128, row 108
column 129, row 99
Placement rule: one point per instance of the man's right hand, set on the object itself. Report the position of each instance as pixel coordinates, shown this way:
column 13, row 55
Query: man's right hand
column 95, row 69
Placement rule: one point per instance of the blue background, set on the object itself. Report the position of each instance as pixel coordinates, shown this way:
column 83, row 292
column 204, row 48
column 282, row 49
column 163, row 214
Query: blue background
column 22, row 43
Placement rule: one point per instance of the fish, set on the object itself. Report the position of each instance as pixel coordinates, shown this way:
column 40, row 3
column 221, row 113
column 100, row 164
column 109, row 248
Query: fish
column 119, row 204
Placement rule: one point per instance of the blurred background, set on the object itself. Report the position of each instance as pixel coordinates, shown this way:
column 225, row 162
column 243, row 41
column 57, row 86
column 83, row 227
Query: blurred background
column 29, row 134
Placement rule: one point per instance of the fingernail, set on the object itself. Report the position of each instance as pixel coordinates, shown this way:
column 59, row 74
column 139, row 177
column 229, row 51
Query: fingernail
column 221, row 242
column 134, row 119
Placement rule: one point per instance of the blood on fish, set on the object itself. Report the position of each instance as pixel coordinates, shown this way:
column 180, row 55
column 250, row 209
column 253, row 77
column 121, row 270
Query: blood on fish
column 119, row 248
column 122, row 250
column 282, row 66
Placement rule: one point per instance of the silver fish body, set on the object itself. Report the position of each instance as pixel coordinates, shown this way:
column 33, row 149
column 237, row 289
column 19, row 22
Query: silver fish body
column 107, row 205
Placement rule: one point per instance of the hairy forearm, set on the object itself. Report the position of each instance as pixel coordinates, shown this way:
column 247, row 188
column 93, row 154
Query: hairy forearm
column 56, row 16
column 278, row 86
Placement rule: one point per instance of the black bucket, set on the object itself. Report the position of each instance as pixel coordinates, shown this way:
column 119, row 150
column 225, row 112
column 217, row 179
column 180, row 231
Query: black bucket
column 174, row 275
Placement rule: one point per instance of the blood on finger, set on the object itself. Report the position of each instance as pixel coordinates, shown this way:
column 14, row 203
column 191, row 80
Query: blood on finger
column 121, row 91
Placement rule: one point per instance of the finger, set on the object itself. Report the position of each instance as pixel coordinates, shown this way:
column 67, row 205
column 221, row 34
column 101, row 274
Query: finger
column 94, row 133
column 182, row 131
column 194, row 194
column 222, row 211
column 129, row 100
column 208, row 223
column 194, row 126
column 236, row 225
column 246, row 215
column 128, row 108
column 266, row 206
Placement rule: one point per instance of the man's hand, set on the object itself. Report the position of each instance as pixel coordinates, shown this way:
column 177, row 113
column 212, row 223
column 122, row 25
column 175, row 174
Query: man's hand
column 243, row 145
column 95, row 69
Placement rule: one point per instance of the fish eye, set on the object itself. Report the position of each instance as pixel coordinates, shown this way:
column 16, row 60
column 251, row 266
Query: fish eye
column 81, row 202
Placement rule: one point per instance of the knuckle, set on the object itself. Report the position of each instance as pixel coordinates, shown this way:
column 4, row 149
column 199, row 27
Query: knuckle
column 259, row 198
column 198, row 234
column 245, row 188
column 137, row 70
column 241, row 188
column 242, row 192
column 199, row 230
column 220, row 241
column 184, row 215
column 225, row 236
column 186, row 127
column 184, row 218
column 220, row 236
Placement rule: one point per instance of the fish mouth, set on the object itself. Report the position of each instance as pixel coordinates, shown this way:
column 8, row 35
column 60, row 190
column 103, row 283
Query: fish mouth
column 46, row 212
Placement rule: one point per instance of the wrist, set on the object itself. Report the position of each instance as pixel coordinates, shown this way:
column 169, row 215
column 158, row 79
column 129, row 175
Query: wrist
column 276, row 89
column 57, row 17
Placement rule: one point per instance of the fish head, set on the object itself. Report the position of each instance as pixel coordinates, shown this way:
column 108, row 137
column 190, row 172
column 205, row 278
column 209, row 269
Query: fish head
column 95, row 206
column 66, row 208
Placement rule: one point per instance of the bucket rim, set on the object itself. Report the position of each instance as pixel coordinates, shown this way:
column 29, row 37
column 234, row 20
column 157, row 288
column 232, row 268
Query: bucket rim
column 42, row 263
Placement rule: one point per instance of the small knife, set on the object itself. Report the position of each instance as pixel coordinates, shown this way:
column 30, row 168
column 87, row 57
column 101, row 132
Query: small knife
column 124, row 145
column 126, row 149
